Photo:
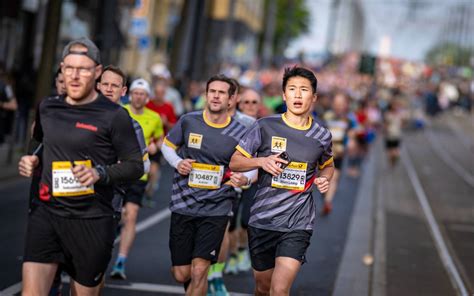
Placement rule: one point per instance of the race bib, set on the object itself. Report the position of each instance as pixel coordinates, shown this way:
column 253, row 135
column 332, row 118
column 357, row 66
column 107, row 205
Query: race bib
column 293, row 177
column 206, row 176
column 64, row 182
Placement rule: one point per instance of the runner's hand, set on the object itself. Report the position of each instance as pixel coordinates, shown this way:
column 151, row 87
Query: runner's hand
column 238, row 179
column 322, row 183
column 271, row 164
column 185, row 166
column 27, row 165
column 152, row 148
column 87, row 176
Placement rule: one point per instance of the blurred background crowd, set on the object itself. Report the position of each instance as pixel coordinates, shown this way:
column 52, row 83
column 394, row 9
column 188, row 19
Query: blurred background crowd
column 379, row 56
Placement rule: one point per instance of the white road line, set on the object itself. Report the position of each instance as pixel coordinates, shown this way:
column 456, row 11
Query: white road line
column 147, row 287
column 434, row 228
column 464, row 174
column 12, row 290
column 143, row 225
column 150, row 221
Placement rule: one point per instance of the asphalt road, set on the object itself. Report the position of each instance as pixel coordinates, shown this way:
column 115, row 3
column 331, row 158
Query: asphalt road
column 422, row 237
column 149, row 263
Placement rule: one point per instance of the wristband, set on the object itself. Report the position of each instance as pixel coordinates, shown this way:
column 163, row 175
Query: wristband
column 103, row 176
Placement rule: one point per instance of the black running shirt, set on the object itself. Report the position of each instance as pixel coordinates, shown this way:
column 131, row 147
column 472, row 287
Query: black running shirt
column 285, row 203
column 97, row 133
column 204, row 192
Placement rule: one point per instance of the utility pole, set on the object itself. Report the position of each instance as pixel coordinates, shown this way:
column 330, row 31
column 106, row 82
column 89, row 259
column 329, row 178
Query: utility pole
column 226, row 50
column 270, row 21
column 48, row 52
column 332, row 25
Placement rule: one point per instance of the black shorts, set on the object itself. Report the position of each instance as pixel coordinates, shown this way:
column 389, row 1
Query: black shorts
column 196, row 237
column 338, row 163
column 246, row 204
column 266, row 245
column 156, row 157
column 389, row 144
column 134, row 192
column 83, row 247
column 235, row 212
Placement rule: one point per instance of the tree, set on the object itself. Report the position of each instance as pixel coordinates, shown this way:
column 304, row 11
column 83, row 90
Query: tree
column 292, row 20
column 449, row 54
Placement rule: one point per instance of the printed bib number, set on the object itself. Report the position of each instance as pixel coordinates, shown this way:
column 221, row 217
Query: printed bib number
column 206, row 176
column 293, row 177
column 64, row 182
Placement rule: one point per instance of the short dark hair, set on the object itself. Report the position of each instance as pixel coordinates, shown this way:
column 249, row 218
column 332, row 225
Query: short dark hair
column 117, row 71
column 301, row 72
column 237, row 85
column 223, row 78
column 58, row 71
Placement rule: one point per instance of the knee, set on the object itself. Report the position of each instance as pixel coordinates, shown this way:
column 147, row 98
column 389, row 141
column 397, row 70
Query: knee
column 280, row 289
column 130, row 216
column 180, row 275
column 262, row 286
column 199, row 272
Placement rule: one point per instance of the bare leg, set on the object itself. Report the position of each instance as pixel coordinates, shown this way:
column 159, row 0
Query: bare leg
column 127, row 236
column 263, row 281
column 80, row 290
column 199, row 271
column 38, row 277
column 285, row 272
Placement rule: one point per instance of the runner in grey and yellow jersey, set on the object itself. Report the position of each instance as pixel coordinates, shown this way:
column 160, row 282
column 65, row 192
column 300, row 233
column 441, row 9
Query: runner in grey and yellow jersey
column 283, row 211
column 199, row 146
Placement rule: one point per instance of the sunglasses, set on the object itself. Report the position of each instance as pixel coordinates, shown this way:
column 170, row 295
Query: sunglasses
column 250, row 102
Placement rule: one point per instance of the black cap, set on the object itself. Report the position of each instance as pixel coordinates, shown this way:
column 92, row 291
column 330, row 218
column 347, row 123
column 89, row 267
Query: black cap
column 92, row 51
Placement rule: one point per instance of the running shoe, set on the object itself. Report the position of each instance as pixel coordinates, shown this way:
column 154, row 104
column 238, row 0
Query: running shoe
column 118, row 272
column 211, row 290
column 219, row 286
column 231, row 266
column 243, row 261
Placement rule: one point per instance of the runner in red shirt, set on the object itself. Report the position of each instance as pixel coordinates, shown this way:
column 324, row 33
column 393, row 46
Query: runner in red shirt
column 163, row 108
column 166, row 112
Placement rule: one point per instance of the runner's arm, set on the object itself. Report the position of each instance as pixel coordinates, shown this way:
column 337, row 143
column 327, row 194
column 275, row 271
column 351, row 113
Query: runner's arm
column 170, row 155
column 125, row 143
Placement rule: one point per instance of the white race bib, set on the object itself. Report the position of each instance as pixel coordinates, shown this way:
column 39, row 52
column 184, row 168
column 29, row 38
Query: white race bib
column 293, row 177
column 206, row 176
column 64, row 182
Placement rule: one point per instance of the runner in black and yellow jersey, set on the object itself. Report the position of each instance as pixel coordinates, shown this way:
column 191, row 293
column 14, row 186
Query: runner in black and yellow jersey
column 292, row 153
column 152, row 127
column 199, row 146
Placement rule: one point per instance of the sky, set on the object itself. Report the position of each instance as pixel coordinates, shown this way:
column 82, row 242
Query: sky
column 413, row 26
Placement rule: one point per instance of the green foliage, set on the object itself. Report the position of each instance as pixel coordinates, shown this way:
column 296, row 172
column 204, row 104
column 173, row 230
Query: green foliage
column 292, row 20
column 449, row 54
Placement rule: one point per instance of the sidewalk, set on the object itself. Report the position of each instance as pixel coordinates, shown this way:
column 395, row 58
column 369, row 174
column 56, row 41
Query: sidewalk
column 389, row 248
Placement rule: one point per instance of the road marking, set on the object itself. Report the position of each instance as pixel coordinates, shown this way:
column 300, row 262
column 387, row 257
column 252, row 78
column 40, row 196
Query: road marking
column 12, row 290
column 150, row 221
column 433, row 225
column 467, row 176
column 147, row 287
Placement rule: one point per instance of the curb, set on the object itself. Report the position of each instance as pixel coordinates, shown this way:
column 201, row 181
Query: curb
column 354, row 277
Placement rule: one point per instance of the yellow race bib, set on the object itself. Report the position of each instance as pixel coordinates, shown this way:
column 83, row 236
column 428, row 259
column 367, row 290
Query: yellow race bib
column 206, row 176
column 63, row 181
column 293, row 177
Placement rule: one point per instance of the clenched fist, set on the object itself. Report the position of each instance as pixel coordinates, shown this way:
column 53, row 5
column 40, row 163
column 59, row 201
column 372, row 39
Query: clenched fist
column 27, row 165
